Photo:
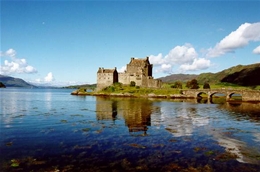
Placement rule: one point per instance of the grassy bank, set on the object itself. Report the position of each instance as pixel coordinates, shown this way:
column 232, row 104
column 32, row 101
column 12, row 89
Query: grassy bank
column 166, row 89
column 137, row 91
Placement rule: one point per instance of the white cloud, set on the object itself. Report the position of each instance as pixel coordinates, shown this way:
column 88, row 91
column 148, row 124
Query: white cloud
column 122, row 69
column 181, row 54
column 257, row 50
column 198, row 64
column 49, row 77
column 237, row 39
column 184, row 56
column 156, row 60
column 47, row 80
column 166, row 68
column 16, row 65
column 10, row 53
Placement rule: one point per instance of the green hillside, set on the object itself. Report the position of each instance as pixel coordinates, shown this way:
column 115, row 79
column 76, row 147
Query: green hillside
column 244, row 75
column 85, row 86
column 178, row 77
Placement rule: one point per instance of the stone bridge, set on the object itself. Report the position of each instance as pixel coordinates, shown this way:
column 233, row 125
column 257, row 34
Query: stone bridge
column 247, row 95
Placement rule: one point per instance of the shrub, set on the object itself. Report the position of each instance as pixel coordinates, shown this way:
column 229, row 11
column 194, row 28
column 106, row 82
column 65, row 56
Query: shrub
column 206, row 86
column 193, row 84
column 177, row 84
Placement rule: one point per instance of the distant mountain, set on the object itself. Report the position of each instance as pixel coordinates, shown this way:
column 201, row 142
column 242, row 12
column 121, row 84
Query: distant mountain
column 178, row 77
column 245, row 75
column 14, row 82
column 88, row 86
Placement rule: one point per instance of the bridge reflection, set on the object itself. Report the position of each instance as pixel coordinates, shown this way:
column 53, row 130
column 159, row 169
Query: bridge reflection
column 250, row 109
column 215, row 100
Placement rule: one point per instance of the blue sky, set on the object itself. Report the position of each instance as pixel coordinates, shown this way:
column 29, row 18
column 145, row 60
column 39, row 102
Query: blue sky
column 65, row 42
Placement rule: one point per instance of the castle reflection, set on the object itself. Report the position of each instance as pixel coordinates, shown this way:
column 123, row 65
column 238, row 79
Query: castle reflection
column 106, row 109
column 135, row 112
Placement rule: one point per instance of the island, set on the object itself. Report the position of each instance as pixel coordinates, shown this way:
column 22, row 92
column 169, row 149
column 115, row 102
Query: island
column 137, row 81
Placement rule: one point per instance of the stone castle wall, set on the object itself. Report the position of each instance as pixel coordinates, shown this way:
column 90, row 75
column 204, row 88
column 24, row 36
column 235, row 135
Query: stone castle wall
column 138, row 71
column 106, row 77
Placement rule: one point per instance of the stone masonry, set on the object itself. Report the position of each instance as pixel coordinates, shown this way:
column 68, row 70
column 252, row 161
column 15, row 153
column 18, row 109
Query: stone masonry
column 138, row 71
column 247, row 95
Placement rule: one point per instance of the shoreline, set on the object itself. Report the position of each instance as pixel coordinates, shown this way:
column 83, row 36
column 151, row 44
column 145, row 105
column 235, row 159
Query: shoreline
column 151, row 95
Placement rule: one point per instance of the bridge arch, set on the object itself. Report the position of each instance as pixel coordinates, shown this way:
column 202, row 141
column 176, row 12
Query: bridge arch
column 235, row 96
column 245, row 95
column 217, row 92
column 202, row 94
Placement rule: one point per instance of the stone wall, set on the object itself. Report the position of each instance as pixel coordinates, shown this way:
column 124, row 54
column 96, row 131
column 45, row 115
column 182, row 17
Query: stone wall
column 247, row 95
column 250, row 95
column 106, row 77
column 123, row 78
column 154, row 83
column 138, row 71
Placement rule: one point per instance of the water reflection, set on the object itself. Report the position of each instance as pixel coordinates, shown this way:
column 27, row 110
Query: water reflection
column 183, row 122
column 236, row 148
column 48, row 100
column 14, row 105
column 202, row 100
column 135, row 112
column 82, row 132
column 219, row 99
column 252, row 110
column 106, row 109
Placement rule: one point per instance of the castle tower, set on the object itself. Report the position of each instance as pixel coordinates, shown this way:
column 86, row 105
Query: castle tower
column 106, row 77
column 140, row 67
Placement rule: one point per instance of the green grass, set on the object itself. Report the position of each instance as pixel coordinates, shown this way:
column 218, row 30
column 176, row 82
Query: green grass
column 228, row 85
column 135, row 90
column 166, row 89
column 217, row 86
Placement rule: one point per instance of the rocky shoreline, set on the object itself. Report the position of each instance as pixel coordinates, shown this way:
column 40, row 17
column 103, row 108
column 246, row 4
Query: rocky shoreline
column 151, row 95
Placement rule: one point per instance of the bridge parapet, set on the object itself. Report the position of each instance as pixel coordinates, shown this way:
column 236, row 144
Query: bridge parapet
column 247, row 95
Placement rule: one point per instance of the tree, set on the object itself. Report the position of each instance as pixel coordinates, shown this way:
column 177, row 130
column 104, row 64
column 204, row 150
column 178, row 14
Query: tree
column 177, row 84
column 188, row 84
column 206, row 86
column 193, row 84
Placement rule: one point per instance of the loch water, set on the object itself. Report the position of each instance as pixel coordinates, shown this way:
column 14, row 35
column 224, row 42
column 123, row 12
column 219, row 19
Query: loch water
column 51, row 130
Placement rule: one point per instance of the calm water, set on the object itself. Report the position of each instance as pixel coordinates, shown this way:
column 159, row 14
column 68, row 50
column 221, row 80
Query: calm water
column 51, row 130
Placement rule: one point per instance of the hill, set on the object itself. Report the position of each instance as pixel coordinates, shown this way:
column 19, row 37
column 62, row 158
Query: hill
column 178, row 77
column 86, row 86
column 14, row 82
column 244, row 75
column 248, row 76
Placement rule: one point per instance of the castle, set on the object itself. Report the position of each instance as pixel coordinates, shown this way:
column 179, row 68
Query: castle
column 138, row 70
